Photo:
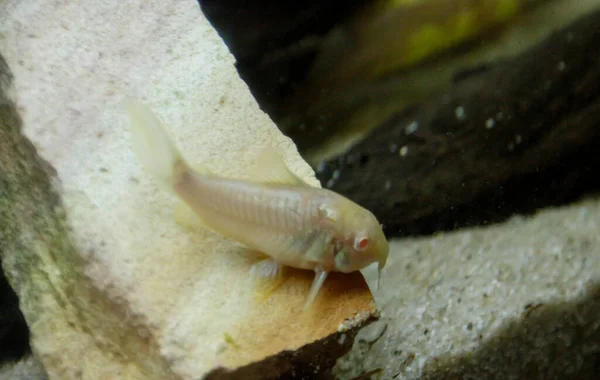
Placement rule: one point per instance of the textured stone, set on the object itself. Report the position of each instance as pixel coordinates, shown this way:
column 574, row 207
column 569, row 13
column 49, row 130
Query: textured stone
column 110, row 285
column 514, row 301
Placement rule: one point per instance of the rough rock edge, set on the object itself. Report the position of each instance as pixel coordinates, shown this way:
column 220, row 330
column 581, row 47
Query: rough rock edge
column 14, row 334
column 549, row 341
column 28, row 368
column 549, row 330
column 37, row 237
column 312, row 361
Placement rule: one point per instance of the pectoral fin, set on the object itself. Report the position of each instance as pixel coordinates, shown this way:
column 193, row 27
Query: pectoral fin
column 268, row 274
column 270, row 167
column 320, row 276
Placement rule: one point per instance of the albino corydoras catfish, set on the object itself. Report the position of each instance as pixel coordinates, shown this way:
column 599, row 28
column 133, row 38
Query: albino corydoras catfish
column 275, row 212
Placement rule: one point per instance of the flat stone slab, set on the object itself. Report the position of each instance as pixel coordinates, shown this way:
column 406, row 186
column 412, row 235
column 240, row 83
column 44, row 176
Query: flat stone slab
column 122, row 289
column 517, row 300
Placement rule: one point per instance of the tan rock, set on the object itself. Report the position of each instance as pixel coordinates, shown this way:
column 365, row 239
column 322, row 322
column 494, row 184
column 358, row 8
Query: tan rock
column 111, row 286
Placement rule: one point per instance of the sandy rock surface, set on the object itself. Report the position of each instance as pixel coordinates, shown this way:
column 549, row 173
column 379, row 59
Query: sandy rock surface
column 519, row 300
column 145, row 297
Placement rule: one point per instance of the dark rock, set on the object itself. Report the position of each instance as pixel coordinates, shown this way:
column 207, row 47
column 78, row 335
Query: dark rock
column 508, row 138
column 274, row 42
column 326, row 69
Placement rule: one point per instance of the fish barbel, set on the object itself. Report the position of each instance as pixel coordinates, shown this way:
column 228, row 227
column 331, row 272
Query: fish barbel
column 274, row 212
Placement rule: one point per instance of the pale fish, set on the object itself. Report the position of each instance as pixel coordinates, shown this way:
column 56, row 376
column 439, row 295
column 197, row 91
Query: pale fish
column 275, row 213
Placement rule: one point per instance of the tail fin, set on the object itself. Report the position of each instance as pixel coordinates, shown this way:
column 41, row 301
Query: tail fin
column 153, row 146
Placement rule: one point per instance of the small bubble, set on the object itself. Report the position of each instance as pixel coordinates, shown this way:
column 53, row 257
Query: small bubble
column 499, row 116
column 393, row 148
column 330, row 183
column 460, row 113
column 388, row 184
column 336, row 175
column 518, row 139
column 411, row 128
column 489, row 123
column 403, row 151
column 561, row 65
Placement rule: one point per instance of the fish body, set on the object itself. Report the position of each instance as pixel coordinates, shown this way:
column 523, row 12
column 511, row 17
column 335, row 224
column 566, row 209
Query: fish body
column 277, row 219
column 274, row 212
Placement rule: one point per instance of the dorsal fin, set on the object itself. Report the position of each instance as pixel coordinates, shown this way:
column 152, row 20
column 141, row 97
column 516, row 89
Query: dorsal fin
column 269, row 167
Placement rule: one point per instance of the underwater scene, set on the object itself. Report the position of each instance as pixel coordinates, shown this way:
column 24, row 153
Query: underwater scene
column 358, row 190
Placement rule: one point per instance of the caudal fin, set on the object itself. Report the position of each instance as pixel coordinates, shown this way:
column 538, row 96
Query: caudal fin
column 152, row 145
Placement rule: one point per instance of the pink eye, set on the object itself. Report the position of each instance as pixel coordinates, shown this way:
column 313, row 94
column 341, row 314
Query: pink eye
column 363, row 243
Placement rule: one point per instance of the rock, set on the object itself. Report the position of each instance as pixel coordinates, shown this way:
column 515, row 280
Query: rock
column 514, row 301
column 329, row 72
column 109, row 284
column 525, row 125
column 274, row 44
column 28, row 368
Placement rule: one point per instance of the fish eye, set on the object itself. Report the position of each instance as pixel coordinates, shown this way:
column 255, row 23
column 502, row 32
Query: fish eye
column 361, row 243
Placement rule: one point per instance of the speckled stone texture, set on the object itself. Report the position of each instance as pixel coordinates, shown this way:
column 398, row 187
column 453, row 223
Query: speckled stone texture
column 27, row 368
column 111, row 286
column 514, row 301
